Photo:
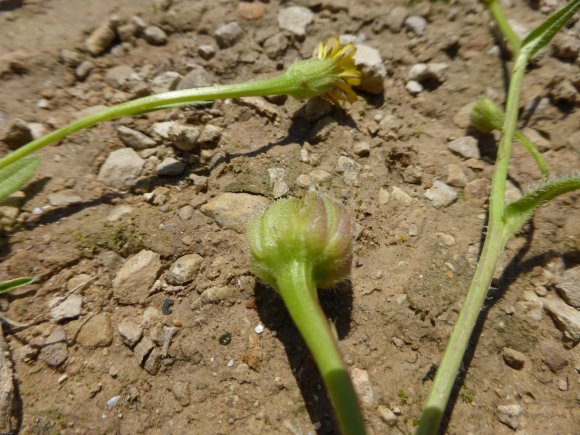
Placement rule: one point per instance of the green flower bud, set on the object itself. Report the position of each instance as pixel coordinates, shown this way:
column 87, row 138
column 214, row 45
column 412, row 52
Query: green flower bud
column 486, row 116
column 314, row 232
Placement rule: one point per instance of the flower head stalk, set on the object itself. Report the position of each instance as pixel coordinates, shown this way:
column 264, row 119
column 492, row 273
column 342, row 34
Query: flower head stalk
column 330, row 73
column 296, row 246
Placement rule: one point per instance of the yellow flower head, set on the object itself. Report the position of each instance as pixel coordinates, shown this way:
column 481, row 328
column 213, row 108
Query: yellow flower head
column 344, row 68
column 330, row 73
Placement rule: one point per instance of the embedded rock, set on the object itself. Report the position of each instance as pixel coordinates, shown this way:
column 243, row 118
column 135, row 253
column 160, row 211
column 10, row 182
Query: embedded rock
column 121, row 169
column 234, row 210
column 133, row 281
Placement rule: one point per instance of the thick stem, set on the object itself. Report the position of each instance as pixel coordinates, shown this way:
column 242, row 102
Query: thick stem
column 523, row 139
column 497, row 236
column 298, row 291
column 497, row 194
column 461, row 334
column 273, row 86
column 503, row 25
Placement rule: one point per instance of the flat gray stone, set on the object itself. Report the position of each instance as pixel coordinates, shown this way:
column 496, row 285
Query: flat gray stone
column 234, row 210
column 135, row 139
column 295, row 19
column 566, row 318
column 228, row 34
column 54, row 351
column 440, row 194
column 465, row 147
column 166, row 81
column 133, row 281
column 70, row 308
column 170, row 167
column 510, row 415
column 198, row 77
column 131, row 332
column 118, row 76
column 155, row 35
column 63, row 198
column 416, row 24
column 568, row 286
column 121, row 169
column 370, row 63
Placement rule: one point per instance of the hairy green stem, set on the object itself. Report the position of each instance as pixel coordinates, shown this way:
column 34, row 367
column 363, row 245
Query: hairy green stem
column 496, row 238
column 523, row 139
column 502, row 23
column 274, row 86
column 297, row 289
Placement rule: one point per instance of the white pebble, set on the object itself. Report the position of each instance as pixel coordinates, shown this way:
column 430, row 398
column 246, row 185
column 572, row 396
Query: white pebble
column 259, row 329
column 112, row 401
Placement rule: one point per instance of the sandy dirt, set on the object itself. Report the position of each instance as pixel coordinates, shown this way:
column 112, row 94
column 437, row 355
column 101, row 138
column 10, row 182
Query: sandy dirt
column 157, row 332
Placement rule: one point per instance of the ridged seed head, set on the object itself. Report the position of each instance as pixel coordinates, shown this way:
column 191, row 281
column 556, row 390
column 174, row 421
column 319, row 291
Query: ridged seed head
column 315, row 230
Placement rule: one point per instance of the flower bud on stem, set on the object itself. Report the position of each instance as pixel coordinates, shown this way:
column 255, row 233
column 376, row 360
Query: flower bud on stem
column 297, row 245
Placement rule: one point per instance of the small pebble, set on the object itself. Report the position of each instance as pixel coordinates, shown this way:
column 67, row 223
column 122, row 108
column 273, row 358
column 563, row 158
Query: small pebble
column 112, row 401
column 259, row 329
column 416, row 24
column 155, row 36
column 166, row 306
column 225, row 339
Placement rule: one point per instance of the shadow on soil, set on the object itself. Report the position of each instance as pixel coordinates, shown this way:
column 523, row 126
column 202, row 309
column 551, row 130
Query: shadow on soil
column 337, row 305
column 515, row 268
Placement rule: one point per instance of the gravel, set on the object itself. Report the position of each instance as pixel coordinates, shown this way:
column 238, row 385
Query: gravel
column 416, row 24
column 567, row 319
column 295, row 19
column 135, row 139
column 228, row 34
column 133, row 281
column 101, row 38
column 69, row 308
column 440, row 194
column 154, row 35
column 510, row 415
column 465, row 146
column 97, row 332
column 170, row 167
column 54, row 351
column 396, row 18
column 184, row 269
column 568, row 286
column 121, row 169
column 370, row 63
column 234, row 210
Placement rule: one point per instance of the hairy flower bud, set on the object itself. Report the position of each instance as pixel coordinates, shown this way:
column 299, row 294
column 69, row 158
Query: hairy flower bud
column 486, row 116
column 315, row 231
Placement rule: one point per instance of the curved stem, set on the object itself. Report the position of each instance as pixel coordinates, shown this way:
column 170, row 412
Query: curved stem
column 523, row 139
column 298, row 291
column 273, row 86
